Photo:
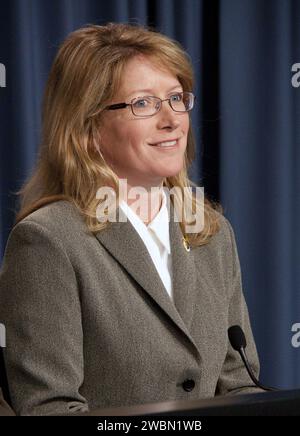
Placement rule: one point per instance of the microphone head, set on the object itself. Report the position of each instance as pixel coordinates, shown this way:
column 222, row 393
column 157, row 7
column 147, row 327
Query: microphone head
column 236, row 337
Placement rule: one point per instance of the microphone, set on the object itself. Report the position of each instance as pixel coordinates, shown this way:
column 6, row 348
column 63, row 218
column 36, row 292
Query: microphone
column 238, row 342
column 3, row 379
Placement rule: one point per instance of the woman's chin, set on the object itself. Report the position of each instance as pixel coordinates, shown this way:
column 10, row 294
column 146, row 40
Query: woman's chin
column 172, row 172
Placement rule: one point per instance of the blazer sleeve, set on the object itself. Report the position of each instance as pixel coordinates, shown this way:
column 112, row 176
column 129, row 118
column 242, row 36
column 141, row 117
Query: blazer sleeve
column 40, row 307
column 234, row 378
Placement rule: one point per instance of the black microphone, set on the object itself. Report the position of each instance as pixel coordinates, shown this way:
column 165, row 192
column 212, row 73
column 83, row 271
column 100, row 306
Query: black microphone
column 238, row 342
column 3, row 378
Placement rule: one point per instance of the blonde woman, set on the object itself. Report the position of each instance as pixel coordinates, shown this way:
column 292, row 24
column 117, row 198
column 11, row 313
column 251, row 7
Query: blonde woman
column 103, row 311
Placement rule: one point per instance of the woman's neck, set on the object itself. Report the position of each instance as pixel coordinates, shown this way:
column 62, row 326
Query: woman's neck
column 144, row 201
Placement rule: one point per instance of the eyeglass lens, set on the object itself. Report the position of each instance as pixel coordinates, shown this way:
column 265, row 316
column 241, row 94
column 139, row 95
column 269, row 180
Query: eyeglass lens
column 180, row 102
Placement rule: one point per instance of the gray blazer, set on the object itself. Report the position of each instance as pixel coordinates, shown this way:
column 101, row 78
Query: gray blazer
column 90, row 324
column 5, row 410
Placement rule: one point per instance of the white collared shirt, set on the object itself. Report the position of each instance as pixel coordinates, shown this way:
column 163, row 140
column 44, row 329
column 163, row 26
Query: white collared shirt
column 156, row 239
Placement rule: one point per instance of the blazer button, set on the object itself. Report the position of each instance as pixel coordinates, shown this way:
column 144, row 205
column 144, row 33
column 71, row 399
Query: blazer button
column 188, row 385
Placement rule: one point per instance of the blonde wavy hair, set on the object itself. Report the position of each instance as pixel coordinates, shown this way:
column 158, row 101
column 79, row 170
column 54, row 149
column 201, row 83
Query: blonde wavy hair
column 84, row 77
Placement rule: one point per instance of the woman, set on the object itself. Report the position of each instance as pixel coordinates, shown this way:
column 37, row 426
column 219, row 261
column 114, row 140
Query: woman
column 107, row 312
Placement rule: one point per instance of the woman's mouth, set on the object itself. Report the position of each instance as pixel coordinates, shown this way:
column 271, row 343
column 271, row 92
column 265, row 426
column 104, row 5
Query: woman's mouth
column 166, row 144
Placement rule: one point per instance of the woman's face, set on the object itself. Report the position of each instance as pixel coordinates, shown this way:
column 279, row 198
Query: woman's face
column 131, row 145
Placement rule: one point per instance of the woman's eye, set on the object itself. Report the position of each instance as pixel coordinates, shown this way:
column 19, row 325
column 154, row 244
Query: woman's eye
column 176, row 97
column 141, row 102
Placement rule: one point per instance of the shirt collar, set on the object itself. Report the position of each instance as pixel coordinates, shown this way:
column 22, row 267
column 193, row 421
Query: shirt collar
column 160, row 224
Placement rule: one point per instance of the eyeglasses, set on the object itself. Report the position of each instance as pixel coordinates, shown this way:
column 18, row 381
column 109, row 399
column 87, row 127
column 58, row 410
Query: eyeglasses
column 148, row 106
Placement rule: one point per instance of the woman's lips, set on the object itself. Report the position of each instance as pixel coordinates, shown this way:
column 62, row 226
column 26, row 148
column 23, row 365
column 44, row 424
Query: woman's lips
column 166, row 144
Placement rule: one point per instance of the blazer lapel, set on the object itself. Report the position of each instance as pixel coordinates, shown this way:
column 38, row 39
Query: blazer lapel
column 184, row 274
column 126, row 246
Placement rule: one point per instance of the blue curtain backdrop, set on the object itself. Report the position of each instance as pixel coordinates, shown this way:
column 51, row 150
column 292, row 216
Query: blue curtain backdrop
column 246, row 124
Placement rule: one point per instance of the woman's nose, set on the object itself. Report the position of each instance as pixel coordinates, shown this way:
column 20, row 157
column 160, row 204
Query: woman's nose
column 167, row 118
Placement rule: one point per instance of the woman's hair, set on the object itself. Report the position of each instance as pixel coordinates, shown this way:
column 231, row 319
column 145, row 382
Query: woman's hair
column 84, row 78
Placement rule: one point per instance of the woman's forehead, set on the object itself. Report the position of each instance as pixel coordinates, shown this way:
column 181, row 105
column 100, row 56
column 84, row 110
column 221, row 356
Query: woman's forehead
column 142, row 74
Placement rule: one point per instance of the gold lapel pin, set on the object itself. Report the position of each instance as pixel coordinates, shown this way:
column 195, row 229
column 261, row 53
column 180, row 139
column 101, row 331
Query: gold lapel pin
column 186, row 244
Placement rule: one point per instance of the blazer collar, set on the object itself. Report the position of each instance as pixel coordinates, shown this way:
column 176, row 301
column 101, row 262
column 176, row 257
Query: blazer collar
column 126, row 246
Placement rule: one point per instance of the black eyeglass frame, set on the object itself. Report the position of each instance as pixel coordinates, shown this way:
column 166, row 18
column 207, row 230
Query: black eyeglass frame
column 116, row 106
